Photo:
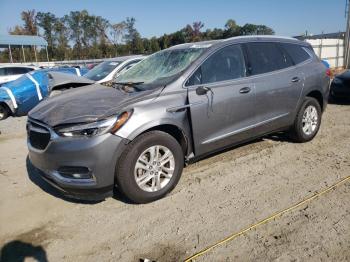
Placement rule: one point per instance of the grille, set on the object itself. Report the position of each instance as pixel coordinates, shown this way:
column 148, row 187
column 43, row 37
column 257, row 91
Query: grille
column 39, row 136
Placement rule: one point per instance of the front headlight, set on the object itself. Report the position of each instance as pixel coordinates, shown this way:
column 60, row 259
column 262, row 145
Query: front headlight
column 110, row 125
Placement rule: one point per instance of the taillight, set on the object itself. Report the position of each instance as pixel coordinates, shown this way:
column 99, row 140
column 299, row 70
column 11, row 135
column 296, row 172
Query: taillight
column 328, row 72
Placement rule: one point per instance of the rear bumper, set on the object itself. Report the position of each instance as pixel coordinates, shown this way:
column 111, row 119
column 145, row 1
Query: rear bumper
column 98, row 155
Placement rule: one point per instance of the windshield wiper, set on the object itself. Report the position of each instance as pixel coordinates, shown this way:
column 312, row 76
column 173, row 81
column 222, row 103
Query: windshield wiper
column 132, row 84
column 128, row 83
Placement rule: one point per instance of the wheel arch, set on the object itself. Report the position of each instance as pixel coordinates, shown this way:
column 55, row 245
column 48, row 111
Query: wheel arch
column 173, row 129
column 318, row 96
column 175, row 132
column 8, row 106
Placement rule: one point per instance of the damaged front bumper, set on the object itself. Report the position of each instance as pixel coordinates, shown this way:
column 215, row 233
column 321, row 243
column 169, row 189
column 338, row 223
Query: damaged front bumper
column 80, row 167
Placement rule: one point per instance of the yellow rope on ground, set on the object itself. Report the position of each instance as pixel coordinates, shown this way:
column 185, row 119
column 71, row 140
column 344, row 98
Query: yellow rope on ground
column 278, row 214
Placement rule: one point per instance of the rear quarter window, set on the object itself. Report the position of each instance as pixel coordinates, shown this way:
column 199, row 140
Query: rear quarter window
column 296, row 52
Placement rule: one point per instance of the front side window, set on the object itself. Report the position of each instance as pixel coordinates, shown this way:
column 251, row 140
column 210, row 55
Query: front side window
column 266, row 57
column 226, row 64
column 161, row 67
column 101, row 70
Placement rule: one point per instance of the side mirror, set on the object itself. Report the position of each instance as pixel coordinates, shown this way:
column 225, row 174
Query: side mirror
column 201, row 90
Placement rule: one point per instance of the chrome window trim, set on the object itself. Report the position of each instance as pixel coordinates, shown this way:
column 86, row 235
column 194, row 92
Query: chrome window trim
column 245, row 77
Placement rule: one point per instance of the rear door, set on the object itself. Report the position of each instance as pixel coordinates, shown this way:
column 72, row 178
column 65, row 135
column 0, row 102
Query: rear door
column 221, row 100
column 278, row 84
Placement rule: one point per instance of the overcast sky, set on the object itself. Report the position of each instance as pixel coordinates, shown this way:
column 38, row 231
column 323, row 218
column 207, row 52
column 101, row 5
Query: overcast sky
column 156, row 17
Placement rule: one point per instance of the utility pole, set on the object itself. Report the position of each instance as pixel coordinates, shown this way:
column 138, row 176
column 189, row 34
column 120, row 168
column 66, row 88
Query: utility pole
column 347, row 36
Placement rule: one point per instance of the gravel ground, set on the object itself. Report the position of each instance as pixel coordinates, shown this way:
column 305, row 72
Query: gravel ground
column 215, row 197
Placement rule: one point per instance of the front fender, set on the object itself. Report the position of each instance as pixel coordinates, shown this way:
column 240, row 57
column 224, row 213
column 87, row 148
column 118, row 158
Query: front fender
column 142, row 120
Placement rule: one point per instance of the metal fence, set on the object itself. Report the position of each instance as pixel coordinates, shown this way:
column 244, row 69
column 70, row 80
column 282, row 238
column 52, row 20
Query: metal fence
column 331, row 50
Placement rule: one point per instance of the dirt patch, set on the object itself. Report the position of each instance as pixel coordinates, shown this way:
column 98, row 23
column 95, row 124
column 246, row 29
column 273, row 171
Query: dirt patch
column 215, row 197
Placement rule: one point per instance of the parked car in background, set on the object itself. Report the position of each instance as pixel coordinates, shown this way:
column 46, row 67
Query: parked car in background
column 18, row 97
column 69, row 70
column 106, row 71
column 340, row 87
column 21, row 95
column 91, row 65
column 12, row 72
column 173, row 107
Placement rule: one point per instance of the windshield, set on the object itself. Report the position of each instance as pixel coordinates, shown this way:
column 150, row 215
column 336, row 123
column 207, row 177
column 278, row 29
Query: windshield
column 102, row 70
column 161, row 67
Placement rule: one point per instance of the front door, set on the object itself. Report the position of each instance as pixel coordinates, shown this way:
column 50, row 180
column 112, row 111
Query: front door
column 222, row 100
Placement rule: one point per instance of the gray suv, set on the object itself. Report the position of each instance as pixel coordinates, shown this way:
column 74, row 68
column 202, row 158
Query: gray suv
column 172, row 108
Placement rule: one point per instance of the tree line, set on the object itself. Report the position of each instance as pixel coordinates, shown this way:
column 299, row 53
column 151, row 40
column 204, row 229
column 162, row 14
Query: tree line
column 80, row 35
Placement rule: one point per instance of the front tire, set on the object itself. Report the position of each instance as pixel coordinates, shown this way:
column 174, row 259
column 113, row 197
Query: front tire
column 4, row 112
column 150, row 167
column 307, row 122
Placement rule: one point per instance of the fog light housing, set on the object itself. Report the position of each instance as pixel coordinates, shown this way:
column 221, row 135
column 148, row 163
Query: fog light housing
column 75, row 172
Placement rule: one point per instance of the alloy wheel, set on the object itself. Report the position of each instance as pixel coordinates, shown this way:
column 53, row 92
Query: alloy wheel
column 154, row 168
column 310, row 120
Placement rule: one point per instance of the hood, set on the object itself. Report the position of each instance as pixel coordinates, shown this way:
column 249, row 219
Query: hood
column 62, row 79
column 86, row 104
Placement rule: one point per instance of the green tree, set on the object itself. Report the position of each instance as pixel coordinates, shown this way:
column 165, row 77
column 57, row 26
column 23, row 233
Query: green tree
column 131, row 32
column 196, row 32
column 231, row 29
column 74, row 24
column 118, row 31
column 252, row 29
column 133, row 37
column 154, row 45
column 177, row 38
column 61, row 37
column 47, row 22
column 29, row 20
column 164, row 41
column 137, row 45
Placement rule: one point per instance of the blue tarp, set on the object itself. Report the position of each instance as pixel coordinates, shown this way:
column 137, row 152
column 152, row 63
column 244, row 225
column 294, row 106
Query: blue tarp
column 27, row 91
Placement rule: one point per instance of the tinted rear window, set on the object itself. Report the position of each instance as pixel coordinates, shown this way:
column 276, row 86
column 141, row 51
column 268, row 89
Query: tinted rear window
column 18, row 70
column 297, row 52
column 266, row 57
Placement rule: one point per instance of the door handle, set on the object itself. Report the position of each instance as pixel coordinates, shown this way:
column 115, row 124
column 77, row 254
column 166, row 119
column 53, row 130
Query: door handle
column 295, row 79
column 245, row 90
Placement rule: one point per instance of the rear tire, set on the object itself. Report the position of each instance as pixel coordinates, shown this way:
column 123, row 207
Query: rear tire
column 150, row 167
column 307, row 122
column 4, row 112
